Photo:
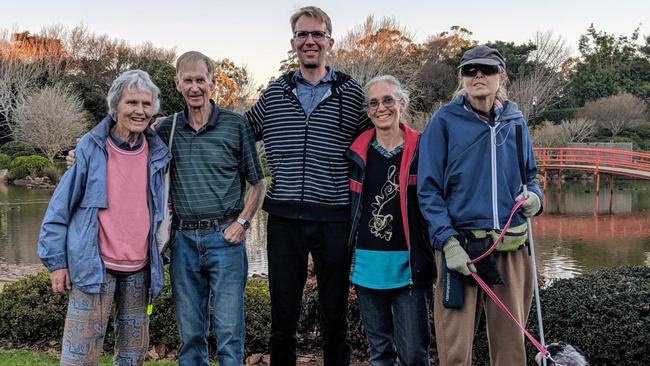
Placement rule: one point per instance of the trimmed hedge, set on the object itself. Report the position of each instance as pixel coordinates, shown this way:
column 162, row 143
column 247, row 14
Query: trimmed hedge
column 32, row 164
column 30, row 313
column 557, row 115
column 16, row 148
column 605, row 313
column 5, row 160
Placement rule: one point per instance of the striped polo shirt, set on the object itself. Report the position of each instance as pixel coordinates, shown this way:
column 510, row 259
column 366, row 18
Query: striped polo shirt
column 210, row 167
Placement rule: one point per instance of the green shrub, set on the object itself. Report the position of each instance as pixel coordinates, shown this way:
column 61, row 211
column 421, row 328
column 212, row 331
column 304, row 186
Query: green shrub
column 557, row 115
column 52, row 172
column 33, row 163
column 16, row 148
column 309, row 332
column 17, row 173
column 30, row 311
column 5, row 160
column 258, row 316
column 605, row 313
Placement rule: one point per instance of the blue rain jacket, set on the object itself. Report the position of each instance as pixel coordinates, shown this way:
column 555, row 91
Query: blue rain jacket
column 69, row 232
column 468, row 171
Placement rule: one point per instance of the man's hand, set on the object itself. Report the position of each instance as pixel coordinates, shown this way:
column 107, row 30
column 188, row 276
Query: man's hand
column 70, row 159
column 60, row 281
column 531, row 206
column 234, row 233
column 156, row 122
column 457, row 257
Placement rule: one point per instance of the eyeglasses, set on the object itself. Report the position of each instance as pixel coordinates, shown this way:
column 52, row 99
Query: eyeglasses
column 387, row 101
column 316, row 35
column 473, row 69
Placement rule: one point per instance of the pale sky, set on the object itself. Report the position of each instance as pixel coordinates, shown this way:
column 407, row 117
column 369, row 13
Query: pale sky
column 256, row 33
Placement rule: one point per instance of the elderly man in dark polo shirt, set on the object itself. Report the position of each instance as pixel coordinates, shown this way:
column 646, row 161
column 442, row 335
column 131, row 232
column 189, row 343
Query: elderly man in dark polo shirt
column 214, row 155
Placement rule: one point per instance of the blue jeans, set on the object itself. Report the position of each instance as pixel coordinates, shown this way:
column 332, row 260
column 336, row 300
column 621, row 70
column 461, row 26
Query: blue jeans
column 397, row 324
column 207, row 271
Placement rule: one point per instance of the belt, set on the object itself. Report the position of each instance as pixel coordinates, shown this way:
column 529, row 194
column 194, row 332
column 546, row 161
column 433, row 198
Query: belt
column 178, row 224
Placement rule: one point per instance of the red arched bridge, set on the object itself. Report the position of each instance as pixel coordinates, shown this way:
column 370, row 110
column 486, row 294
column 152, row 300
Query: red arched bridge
column 607, row 161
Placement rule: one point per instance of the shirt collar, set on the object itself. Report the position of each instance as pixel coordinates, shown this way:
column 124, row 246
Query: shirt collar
column 490, row 117
column 329, row 77
column 123, row 145
column 212, row 120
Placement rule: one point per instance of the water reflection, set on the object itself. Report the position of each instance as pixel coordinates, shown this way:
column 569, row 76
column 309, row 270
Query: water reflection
column 21, row 212
column 576, row 233
column 582, row 231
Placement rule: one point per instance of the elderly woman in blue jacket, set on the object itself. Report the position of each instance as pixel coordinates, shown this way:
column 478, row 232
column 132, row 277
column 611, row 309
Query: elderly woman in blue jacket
column 469, row 179
column 97, row 237
column 392, row 267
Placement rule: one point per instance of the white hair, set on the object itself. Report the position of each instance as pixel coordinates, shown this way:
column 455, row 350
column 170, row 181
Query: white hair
column 137, row 79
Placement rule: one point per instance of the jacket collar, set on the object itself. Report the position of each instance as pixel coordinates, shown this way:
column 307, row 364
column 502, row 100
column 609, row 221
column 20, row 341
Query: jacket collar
column 157, row 149
column 510, row 108
column 288, row 83
column 361, row 144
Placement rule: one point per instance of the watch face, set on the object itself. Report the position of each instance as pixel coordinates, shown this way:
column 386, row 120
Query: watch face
column 244, row 223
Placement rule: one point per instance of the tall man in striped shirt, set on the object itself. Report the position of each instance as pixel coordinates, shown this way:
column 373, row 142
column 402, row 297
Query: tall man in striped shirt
column 307, row 120
column 214, row 155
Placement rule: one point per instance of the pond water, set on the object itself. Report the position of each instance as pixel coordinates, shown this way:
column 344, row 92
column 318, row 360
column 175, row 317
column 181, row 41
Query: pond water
column 579, row 231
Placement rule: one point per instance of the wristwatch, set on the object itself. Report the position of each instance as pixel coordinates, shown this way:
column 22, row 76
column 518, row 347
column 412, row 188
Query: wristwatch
column 243, row 223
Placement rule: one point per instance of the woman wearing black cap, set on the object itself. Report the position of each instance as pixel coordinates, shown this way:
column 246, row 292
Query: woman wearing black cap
column 469, row 179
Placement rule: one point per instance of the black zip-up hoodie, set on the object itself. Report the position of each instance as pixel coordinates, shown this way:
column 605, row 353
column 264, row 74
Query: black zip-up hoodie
column 306, row 154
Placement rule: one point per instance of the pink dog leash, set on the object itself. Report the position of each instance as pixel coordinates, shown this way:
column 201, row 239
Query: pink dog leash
column 494, row 296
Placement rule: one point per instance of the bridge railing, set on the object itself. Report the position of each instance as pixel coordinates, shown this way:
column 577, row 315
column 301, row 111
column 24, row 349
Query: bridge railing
column 599, row 158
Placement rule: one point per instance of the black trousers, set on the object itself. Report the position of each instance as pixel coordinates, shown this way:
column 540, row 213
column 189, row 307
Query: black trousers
column 289, row 243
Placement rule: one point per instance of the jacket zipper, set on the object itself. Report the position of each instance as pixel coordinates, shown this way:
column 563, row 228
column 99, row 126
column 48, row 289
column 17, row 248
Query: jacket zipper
column 493, row 171
column 304, row 150
column 355, row 221
column 406, row 215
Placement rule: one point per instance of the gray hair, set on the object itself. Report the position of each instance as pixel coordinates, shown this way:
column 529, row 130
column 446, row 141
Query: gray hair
column 400, row 93
column 137, row 79
column 502, row 92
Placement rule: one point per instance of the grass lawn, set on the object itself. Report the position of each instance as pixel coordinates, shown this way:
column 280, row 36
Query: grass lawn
column 25, row 358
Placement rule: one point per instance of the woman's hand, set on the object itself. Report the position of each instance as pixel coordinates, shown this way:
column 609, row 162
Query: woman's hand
column 60, row 281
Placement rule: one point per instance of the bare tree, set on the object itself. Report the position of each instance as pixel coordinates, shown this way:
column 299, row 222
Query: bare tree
column 17, row 80
column 615, row 113
column 578, row 129
column 50, row 119
column 551, row 50
column 544, row 86
column 379, row 47
column 548, row 134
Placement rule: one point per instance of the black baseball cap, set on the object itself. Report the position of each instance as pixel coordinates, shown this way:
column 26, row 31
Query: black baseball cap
column 482, row 55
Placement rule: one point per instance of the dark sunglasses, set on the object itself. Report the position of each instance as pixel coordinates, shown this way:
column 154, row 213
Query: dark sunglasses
column 472, row 70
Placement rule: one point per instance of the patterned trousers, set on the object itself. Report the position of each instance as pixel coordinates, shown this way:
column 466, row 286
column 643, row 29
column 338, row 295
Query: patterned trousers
column 87, row 317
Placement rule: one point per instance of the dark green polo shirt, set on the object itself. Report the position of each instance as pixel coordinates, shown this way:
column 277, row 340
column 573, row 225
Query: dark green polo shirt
column 210, row 167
